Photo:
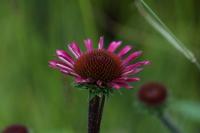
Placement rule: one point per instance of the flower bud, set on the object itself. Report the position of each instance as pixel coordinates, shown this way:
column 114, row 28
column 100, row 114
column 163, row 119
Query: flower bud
column 152, row 94
column 15, row 129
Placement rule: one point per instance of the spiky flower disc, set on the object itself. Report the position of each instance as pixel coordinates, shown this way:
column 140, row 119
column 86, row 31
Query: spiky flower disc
column 101, row 67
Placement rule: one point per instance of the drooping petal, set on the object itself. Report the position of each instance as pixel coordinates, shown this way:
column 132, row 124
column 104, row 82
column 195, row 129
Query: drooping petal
column 73, row 47
column 126, row 79
column 132, row 79
column 101, row 43
column 117, row 85
column 114, row 45
column 53, row 63
column 69, row 73
column 125, row 50
column 60, row 65
column 136, row 65
column 65, row 57
column 64, row 67
column 133, row 71
column 127, row 86
column 132, row 57
column 81, row 80
column 88, row 44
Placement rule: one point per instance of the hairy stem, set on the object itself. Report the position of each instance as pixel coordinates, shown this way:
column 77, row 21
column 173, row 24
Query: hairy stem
column 100, row 112
column 95, row 111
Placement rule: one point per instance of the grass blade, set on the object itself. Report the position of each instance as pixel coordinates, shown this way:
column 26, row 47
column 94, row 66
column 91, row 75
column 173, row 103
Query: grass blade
column 158, row 25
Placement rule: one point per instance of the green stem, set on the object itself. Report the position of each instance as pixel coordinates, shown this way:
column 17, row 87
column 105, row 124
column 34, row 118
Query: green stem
column 167, row 122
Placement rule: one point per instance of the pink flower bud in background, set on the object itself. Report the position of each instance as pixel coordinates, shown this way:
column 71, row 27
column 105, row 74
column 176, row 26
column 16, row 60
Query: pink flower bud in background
column 15, row 129
column 152, row 94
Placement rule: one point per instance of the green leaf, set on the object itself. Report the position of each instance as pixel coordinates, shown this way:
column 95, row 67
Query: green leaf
column 95, row 90
column 188, row 109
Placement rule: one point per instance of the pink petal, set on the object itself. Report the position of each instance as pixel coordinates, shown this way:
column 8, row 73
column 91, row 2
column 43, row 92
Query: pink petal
column 132, row 57
column 64, row 67
column 119, row 80
column 132, row 79
column 64, row 54
column 53, row 63
column 125, row 50
column 69, row 73
column 88, row 44
column 65, row 57
column 127, row 86
column 114, row 45
column 116, row 86
column 121, row 84
column 101, row 43
column 73, row 47
column 66, row 62
column 81, row 80
column 126, row 79
column 133, row 71
column 138, row 64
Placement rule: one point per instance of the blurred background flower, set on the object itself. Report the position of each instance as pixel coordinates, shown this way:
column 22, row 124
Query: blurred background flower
column 152, row 94
column 15, row 129
column 31, row 93
column 152, row 97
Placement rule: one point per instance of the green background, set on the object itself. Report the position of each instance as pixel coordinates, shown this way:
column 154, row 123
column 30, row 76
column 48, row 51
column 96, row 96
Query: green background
column 43, row 99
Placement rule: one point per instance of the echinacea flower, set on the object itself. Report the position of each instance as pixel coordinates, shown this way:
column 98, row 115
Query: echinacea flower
column 99, row 70
column 103, row 67
column 15, row 129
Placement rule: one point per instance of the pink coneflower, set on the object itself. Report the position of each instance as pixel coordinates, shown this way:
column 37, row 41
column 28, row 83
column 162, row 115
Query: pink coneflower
column 99, row 70
column 103, row 67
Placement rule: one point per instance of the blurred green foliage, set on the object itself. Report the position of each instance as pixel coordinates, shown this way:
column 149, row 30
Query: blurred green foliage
column 33, row 94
